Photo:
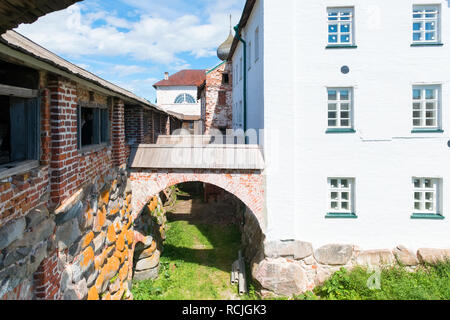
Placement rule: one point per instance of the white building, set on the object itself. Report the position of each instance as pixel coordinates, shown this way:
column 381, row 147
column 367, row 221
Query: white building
column 354, row 100
column 178, row 94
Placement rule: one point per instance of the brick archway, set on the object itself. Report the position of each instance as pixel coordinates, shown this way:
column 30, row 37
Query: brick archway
column 246, row 185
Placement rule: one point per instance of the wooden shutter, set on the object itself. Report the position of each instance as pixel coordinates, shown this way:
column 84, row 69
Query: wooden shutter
column 18, row 129
column 33, row 128
column 25, row 129
column 104, row 125
column 96, row 126
column 79, row 127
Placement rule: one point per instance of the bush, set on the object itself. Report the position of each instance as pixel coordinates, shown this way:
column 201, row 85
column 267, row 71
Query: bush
column 428, row 282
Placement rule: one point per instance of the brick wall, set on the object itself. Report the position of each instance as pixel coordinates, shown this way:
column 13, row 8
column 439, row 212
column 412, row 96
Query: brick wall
column 217, row 107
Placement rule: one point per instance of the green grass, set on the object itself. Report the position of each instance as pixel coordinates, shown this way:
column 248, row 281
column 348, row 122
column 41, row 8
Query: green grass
column 428, row 282
column 195, row 264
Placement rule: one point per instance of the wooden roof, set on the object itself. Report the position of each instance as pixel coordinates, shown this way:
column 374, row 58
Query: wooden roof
column 15, row 12
column 213, row 156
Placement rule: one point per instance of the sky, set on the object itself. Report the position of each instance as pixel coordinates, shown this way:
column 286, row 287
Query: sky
column 132, row 43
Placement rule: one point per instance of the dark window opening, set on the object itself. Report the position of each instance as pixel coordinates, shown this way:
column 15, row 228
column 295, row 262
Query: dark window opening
column 93, row 126
column 18, row 76
column 5, row 131
column 226, row 78
column 19, row 130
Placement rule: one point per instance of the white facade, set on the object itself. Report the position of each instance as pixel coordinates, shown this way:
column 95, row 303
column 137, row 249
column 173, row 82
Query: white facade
column 288, row 97
column 167, row 96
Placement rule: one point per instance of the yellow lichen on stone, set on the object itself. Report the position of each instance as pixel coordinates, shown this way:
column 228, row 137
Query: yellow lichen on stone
column 130, row 236
column 88, row 239
column 93, row 294
column 123, row 273
column 88, row 257
column 120, row 242
column 107, row 296
column 111, row 235
column 104, row 197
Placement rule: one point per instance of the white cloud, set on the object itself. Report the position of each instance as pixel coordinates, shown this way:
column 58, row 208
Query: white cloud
column 154, row 38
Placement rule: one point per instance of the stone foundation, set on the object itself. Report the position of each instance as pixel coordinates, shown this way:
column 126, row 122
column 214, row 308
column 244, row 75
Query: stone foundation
column 150, row 233
column 80, row 250
column 293, row 267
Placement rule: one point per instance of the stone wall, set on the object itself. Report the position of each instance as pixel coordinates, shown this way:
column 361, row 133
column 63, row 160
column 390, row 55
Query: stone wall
column 150, row 234
column 294, row 267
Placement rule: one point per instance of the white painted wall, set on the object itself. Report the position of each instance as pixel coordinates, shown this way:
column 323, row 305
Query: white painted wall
column 255, row 69
column 383, row 155
column 166, row 97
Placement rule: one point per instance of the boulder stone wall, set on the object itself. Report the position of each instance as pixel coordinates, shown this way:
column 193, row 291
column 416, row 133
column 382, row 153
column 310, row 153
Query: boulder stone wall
column 293, row 267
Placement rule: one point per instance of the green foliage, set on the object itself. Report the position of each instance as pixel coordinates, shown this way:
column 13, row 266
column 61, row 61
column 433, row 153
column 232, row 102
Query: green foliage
column 195, row 264
column 428, row 282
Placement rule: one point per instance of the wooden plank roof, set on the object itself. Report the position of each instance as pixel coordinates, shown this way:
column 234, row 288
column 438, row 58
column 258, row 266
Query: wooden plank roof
column 15, row 12
column 213, row 156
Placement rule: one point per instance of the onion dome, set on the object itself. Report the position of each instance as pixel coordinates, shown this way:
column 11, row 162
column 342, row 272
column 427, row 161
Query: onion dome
column 224, row 49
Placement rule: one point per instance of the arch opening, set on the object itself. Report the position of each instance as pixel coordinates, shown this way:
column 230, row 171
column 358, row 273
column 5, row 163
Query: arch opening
column 201, row 231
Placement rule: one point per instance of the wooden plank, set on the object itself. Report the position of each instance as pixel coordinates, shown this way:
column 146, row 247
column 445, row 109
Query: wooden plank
column 18, row 92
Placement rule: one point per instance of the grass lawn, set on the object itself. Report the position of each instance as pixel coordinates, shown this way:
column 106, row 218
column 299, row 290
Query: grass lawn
column 195, row 264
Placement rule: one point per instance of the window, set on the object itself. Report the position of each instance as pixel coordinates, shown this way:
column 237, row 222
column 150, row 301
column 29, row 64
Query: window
column 340, row 109
column 19, row 131
column 426, row 108
column 341, row 197
column 340, row 26
column 185, row 98
column 93, row 126
column 426, row 197
column 257, row 44
column 225, row 78
column 426, row 24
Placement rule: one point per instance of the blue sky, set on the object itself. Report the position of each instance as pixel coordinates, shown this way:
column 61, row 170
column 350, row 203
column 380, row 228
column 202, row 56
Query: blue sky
column 133, row 42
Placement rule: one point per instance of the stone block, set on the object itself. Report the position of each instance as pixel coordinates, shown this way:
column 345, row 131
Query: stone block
column 37, row 234
column 375, row 258
column 294, row 249
column 146, row 252
column 70, row 214
column 39, row 254
column 148, row 263
column 281, row 276
column 150, row 274
column 334, row 254
column 405, row 256
column 36, row 216
column 67, row 234
column 433, row 256
column 78, row 291
column 11, row 232
column 99, row 243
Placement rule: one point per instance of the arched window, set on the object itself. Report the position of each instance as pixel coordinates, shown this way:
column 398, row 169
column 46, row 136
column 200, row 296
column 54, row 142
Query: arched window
column 185, row 98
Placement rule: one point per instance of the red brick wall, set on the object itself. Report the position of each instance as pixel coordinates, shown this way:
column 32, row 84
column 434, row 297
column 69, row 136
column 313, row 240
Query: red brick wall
column 47, row 279
column 217, row 100
column 119, row 150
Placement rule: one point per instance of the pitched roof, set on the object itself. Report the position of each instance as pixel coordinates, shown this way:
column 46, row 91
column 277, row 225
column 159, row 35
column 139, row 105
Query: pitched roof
column 184, row 78
column 21, row 44
column 15, row 12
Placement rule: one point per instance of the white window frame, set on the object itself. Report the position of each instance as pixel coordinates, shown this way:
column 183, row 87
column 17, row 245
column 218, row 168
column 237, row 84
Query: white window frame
column 338, row 102
column 421, row 105
column 424, row 20
column 341, row 14
column 422, row 189
column 340, row 190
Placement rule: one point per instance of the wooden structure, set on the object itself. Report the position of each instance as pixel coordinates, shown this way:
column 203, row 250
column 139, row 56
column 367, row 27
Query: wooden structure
column 15, row 12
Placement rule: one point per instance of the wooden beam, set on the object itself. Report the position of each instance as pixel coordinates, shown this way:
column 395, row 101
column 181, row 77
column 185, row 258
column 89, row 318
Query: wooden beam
column 18, row 92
